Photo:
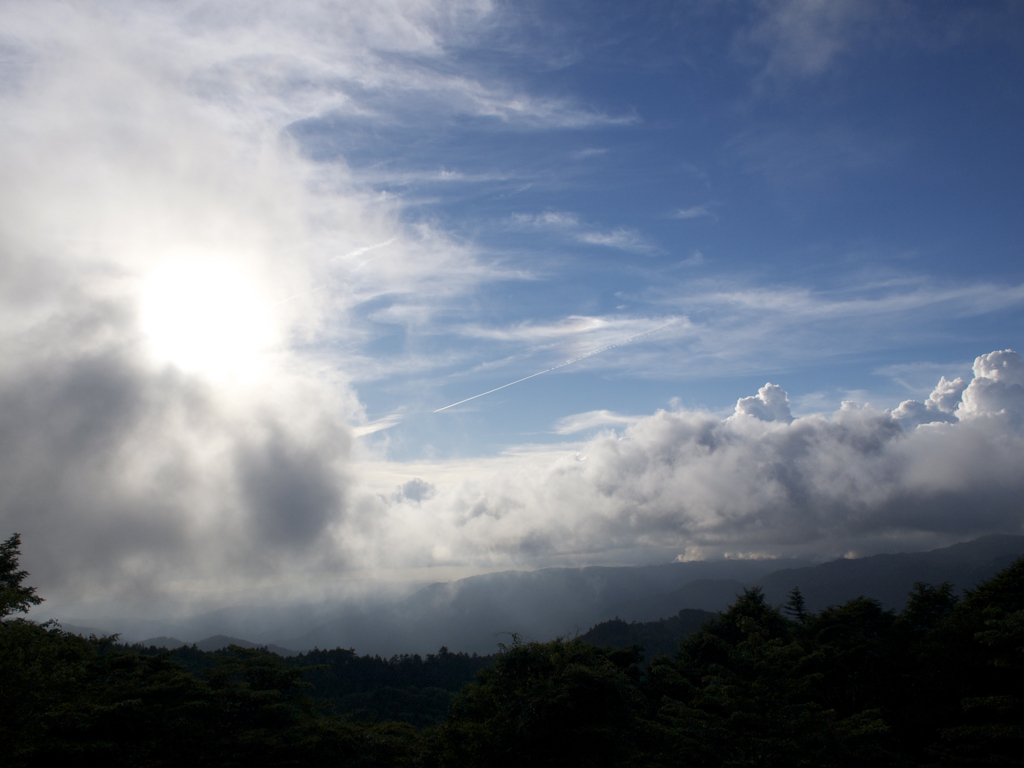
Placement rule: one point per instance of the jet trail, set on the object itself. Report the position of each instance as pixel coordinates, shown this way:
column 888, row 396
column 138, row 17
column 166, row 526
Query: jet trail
column 562, row 365
column 366, row 249
column 351, row 254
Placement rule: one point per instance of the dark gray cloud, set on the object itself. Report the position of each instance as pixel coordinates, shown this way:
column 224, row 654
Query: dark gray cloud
column 292, row 489
column 123, row 476
column 417, row 489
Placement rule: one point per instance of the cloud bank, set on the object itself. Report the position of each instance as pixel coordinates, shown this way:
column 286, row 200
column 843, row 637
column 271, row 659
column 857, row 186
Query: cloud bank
column 757, row 483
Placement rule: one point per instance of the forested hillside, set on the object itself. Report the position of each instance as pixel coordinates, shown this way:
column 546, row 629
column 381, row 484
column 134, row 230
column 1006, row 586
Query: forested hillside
column 656, row 638
column 938, row 684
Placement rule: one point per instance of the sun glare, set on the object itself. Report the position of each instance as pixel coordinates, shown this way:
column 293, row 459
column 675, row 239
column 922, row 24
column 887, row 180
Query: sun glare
column 206, row 317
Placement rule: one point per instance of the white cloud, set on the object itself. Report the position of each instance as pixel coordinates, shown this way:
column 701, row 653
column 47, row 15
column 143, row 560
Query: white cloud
column 553, row 219
column 741, row 330
column 696, row 259
column 378, row 425
column 694, row 212
column 759, row 481
column 939, row 407
column 572, row 340
column 623, row 239
column 744, row 330
column 771, row 403
column 579, row 422
column 535, row 332
column 620, row 237
column 997, row 388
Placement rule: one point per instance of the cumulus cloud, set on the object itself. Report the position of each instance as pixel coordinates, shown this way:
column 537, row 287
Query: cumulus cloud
column 760, row 482
column 997, row 388
column 939, row 406
column 771, row 403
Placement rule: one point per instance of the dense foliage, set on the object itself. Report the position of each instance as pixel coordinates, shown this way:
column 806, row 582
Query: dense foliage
column 939, row 684
column 406, row 688
column 657, row 638
column 14, row 598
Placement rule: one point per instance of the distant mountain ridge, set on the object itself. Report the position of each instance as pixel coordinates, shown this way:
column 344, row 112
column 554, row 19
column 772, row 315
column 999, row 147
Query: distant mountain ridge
column 472, row 614
column 888, row 578
column 475, row 614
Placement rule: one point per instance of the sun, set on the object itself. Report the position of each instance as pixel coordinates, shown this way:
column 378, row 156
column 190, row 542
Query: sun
column 207, row 317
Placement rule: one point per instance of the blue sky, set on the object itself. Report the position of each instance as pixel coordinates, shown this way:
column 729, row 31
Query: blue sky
column 866, row 155
column 802, row 156
column 251, row 252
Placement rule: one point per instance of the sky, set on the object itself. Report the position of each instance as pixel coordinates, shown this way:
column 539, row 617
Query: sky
column 300, row 297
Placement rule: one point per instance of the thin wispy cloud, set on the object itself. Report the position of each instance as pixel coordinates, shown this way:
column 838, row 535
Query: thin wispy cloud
column 552, row 219
column 569, row 223
column 623, row 239
column 744, row 330
column 694, row 212
column 378, row 425
column 533, row 332
column 581, row 154
column 563, row 364
column 963, row 300
column 803, row 38
column 580, row 422
column 695, row 259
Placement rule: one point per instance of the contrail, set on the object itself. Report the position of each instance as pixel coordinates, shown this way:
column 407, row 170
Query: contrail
column 366, row 249
column 300, row 295
column 562, row 365
column 351, row 254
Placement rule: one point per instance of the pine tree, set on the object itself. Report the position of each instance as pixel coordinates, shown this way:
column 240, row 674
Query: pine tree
column 795, row 606
column 14, row 598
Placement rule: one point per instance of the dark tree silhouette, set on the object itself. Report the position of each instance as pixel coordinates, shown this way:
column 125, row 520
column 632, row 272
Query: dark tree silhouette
column 936, row 686
column 796, row 607
column 14, row 598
